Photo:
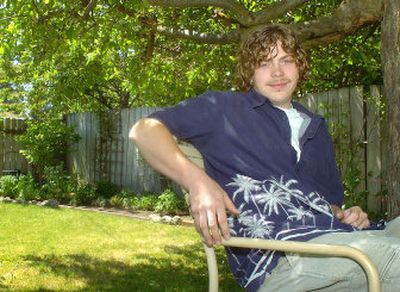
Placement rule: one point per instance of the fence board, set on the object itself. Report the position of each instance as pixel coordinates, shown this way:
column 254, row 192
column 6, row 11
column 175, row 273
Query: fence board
column 10, row 156
column 344, row 118
column 357, row 132
column 374, row 166
column 310, row 101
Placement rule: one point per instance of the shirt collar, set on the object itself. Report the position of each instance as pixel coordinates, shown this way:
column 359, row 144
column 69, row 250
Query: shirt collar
column 257, row 99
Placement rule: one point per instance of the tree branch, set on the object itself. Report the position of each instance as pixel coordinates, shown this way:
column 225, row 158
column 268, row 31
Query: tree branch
column 223, row 38
column 230, row 5
column 148, row 54
column 242, row 14
column 36, row 8
column 275, row 11
column 350, row 16
column 89, row 8
column 125, row 10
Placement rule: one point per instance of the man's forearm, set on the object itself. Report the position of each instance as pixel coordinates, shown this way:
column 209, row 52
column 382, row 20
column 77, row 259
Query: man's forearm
column 159, row 148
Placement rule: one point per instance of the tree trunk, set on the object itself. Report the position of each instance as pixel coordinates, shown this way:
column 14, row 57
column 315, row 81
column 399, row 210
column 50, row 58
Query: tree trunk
column 390, row 54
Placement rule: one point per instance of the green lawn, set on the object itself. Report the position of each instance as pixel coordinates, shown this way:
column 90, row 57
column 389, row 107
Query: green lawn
column 62, row 249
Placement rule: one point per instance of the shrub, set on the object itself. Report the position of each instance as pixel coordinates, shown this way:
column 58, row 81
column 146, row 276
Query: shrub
column 8, row 186
column 145, row 202
column 57, row 184
column 168, row 202
column 27, row 188
column 117, row 201
column 106, row 190
column 83, row 195
column 127, row 198
column 101, row 202
column 46, row 141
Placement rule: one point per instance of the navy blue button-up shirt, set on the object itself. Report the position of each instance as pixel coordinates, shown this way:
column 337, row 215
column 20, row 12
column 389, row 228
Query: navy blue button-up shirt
column 245, row 143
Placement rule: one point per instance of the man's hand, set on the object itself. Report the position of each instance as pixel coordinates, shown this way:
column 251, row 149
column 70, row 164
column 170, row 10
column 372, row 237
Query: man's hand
column 209, row 204
column 354, row 216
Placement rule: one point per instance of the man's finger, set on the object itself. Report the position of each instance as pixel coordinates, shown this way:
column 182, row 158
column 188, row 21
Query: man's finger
column 362, row 221
column 223, row 224
column 339, row 214
column 351, row 219
column 203, row 229
column 213, row 227
column 230, row 206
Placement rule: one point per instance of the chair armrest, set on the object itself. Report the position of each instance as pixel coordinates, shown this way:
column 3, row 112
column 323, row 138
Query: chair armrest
column 297, row 247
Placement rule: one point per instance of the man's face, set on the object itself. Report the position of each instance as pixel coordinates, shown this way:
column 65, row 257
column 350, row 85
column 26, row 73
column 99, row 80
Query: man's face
column 276, row 78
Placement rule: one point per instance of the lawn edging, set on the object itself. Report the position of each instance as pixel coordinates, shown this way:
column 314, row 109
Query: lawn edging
column 136, row 214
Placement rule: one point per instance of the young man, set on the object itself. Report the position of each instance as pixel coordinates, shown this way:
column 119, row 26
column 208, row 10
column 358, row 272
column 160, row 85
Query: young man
column 269, row 164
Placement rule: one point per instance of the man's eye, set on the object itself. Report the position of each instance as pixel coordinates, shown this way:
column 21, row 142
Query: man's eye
column 288, row 61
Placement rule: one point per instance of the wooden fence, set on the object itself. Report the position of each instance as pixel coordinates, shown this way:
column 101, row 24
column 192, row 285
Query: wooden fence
column 105, row 152
column 352, row 114
column 354, row 117
column 11, row 160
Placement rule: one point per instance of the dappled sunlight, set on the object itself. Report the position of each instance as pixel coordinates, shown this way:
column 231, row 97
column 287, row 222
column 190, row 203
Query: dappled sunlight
column 85, row 251
column 143, row 272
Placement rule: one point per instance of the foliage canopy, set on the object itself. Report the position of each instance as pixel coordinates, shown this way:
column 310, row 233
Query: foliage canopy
column 86, row 55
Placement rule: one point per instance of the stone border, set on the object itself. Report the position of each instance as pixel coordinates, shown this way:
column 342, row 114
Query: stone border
column 136, row 214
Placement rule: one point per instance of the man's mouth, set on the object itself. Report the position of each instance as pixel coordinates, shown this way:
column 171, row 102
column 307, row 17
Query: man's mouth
column 279, row 85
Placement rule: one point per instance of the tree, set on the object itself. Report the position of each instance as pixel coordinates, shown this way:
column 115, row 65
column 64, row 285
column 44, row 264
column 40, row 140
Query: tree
column 391, row 69
column 11, row 101
column 83, row 55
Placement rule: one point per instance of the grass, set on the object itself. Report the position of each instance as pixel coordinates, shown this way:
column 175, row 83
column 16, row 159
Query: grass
column 45, row 249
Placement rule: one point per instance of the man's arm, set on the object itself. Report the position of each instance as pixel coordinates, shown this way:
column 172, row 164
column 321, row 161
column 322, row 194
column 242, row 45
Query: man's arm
column 207, row 199
column 354, row 216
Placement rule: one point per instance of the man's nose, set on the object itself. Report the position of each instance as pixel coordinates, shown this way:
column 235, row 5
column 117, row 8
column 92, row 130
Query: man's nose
column 276, row 69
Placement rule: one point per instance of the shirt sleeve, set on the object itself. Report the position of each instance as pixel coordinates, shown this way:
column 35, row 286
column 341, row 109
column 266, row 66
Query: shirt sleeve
column 193, row 118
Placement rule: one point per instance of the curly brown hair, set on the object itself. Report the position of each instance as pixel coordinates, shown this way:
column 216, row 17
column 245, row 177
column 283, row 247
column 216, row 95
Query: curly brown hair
column 257, row 47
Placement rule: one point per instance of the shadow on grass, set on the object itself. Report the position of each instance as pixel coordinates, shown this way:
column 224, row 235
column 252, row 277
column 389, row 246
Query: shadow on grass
column 188, row 273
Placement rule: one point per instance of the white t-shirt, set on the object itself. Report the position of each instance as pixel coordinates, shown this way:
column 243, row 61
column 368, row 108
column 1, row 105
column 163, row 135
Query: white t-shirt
column 298, row 123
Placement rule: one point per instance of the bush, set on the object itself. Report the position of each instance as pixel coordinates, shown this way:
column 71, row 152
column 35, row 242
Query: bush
column 145, row 202
column 101, row 202
column 168, row 202
column 106, row 190
column 8, row 186
column 57, row 184
column 45, row 141
column 117, row 201
column 27, row 188
column 127, row 199
column 83, row 195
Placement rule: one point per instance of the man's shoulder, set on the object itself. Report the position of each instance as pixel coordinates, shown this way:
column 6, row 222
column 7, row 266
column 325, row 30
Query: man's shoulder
column 230, row 97
column 222, row 94
column 220, row 99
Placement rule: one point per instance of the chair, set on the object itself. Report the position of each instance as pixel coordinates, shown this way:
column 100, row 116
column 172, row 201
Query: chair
column 284, row 246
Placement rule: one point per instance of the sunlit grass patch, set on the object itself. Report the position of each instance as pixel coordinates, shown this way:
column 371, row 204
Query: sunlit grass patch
column 64, row 249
